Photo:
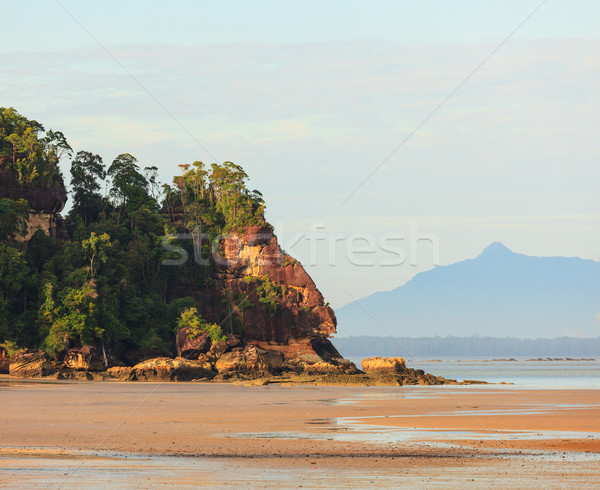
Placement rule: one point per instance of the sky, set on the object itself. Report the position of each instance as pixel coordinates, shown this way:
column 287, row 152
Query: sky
column 387, row 137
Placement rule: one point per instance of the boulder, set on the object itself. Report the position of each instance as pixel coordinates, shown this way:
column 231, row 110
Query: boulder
column 381, row 366
column 30, row 363
column 219, row 348
column 120, row 372
column 4, row 361
column 167, row 369
column 250, row 360
column 83, row 358
column 323, row 367
column 192, row 342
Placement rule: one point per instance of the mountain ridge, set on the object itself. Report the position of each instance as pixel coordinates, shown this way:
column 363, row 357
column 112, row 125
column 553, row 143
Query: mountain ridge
column 497, row 292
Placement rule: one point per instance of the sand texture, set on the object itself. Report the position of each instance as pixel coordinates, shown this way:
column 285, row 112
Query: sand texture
column 187, row 434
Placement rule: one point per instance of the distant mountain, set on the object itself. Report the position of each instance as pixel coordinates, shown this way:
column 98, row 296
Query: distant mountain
column 500, row 293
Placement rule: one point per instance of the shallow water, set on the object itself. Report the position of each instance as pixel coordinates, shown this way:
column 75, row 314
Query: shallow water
column 79, row 469
column 520, row 372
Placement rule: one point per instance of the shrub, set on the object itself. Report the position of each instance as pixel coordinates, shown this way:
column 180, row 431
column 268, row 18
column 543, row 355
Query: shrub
column 191, row 319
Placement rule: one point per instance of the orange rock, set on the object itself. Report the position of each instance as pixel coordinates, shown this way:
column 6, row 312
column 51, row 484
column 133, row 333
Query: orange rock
column 83, row 358
column 167, row 369
column 251, row 359
column 383, row 365
column 30, row 363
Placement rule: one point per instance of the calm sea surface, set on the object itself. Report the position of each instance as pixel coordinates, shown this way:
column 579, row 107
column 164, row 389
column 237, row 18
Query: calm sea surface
column 520, row 372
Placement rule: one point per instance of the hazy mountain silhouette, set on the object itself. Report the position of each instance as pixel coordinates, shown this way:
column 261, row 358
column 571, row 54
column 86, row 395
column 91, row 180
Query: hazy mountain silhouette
column 499, row 293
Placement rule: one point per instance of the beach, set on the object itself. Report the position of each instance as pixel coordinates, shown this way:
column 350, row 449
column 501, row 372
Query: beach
column 72, row 434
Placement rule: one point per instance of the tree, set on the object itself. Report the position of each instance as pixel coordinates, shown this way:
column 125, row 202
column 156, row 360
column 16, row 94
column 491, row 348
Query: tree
column 14, row 273
column 72, row 318
column 87, row 173
column 95, row 247
column 129, row 186
column 14, row 216
column 219, row 200
column 30, row 152
column 191, row 320
column 151, row 175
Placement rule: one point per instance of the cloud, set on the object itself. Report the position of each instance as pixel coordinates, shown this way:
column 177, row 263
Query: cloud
column 514, row 148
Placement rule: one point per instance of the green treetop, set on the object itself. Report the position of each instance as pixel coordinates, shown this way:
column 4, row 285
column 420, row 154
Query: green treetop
column 29, row 151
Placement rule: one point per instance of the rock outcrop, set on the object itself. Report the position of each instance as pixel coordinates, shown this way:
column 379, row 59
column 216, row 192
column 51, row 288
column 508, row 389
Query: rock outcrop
column 191, row 343
column 249, row 360
column 30, row 363
column 167, row 369
column 380, row 366
column 271, row 299
column 83, row 359
column 45, row 205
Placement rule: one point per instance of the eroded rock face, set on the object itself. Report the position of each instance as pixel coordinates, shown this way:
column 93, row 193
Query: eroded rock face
column 270, row 295
column 41, row 200
column 45, row 204
column 167, row 369
column 191, row 343
column 381, row 366
column 30, row 363
column 251, row 359
column 83, row 358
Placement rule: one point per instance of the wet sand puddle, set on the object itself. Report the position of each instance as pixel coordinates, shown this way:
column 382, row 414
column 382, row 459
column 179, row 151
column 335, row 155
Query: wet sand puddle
column 47, row 468
column 353, row 430
column 361, row 429
column 57, row 468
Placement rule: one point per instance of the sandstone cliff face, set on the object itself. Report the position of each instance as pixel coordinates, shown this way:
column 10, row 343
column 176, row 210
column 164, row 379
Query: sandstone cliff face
column 270, row 296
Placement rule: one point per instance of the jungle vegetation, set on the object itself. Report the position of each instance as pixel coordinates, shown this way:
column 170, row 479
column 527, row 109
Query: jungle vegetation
column 104, row 283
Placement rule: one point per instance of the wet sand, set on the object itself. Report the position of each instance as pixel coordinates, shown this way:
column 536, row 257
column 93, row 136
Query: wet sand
column 73, row 434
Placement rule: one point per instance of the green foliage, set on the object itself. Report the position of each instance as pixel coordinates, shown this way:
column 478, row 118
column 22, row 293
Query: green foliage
column 87, row 174
column 14, row 277
column 106, row 282
column 31, row 153
column 14, row 216
column 289, row 261
column 10, row 347
column 218, row 200
column 191, row 319
column 269, row 293
column 96, row 247
column 242, row 301
column 129, row 186
column 72, row 317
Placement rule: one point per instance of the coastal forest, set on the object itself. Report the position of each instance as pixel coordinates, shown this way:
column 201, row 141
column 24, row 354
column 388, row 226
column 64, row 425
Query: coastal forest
column 101, row 279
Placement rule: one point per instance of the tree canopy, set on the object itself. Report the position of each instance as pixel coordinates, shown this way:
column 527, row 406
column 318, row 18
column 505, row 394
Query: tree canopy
column 31, row 152
column 105, row 282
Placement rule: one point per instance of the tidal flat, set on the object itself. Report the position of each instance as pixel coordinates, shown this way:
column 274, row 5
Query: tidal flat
column 65, row 434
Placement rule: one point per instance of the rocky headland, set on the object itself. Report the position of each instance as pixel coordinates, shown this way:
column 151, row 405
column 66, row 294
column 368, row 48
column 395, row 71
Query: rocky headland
column 151, row 282
column 285, row 334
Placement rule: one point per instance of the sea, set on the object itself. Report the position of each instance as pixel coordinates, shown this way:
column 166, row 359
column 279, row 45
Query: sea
column 547, row 373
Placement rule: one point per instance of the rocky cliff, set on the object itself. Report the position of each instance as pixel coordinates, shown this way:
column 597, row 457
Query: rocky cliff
column 45, row 205
column 270, row 298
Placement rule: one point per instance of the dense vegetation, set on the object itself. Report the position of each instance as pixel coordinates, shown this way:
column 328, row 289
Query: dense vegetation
column 105, row 283
column 31, row 152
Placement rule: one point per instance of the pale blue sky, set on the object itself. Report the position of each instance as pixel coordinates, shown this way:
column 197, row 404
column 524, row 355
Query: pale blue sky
column 310, row 97
column 191, row 22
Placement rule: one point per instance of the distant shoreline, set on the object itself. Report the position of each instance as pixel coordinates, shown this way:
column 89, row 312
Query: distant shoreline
column 512, row 359
column 493, row 348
